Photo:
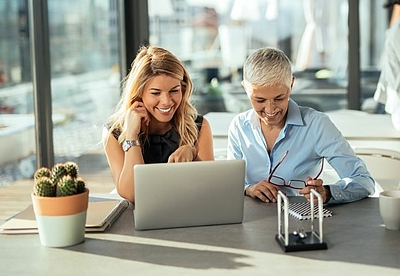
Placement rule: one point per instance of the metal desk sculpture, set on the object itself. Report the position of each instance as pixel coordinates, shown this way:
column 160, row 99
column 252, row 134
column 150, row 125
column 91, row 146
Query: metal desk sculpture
column 300, row 240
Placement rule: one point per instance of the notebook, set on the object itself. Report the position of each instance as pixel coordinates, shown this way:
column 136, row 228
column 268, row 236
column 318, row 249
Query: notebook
column 99, row 217
column 170, row 195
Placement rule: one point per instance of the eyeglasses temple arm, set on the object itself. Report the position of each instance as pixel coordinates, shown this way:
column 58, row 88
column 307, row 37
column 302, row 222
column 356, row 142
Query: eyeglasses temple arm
column 277, row 165
column 322, row 168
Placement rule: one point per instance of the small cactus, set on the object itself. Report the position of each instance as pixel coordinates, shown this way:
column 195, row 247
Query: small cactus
column 57, row 172
column 80, row 185
column 44, row 187
column 66, row 186
column 61, row 180
column 72, row 169
column 42, row 172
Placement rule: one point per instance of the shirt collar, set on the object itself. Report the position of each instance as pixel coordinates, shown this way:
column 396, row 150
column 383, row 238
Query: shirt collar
column 294, row 116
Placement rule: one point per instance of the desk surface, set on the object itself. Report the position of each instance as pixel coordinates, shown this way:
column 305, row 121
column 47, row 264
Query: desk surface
column 356, row 238
column 361, row 125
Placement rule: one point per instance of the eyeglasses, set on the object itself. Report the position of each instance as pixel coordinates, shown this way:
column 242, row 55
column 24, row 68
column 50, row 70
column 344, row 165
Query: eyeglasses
column 294, row 184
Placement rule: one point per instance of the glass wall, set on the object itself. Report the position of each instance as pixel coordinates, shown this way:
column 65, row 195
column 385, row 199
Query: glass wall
column 17, row 139
column 215, row 37
column 85, row 74
column 85, row 81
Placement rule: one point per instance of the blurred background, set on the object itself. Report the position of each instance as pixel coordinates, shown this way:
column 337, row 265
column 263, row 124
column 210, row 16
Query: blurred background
column 90, row 50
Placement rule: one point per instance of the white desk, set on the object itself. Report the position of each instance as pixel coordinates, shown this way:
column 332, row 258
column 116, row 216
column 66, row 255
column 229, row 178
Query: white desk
column 356, row 239
column 366, row 130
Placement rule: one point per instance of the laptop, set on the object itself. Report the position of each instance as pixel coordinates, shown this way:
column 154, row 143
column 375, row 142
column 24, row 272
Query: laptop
column 202, row 193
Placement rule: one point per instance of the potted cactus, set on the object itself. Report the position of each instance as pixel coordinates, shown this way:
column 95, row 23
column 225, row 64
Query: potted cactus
column 60, row 201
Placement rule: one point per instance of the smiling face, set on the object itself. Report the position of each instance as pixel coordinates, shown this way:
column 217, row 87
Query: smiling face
column 162, row 96
column 270, row 102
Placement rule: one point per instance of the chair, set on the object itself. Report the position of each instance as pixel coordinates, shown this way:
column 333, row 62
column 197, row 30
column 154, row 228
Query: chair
column 384, row 166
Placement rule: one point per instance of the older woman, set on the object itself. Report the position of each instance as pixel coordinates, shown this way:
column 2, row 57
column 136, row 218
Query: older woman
column 284, row 144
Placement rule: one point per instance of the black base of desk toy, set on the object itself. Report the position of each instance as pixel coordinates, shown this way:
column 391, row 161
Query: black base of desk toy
column 311, row 242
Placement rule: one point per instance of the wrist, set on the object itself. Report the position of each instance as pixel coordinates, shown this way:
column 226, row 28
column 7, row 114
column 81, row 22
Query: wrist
column 127, row 144
column 194, row 154
column 328, row 193
column 132, row 137
column 247, row 190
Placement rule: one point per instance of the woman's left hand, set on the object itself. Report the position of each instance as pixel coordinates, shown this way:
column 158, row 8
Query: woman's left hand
column 315, row 184
column 183, row 154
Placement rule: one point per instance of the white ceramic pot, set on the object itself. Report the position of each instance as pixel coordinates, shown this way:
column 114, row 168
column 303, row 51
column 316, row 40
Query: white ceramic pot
column 61, row 220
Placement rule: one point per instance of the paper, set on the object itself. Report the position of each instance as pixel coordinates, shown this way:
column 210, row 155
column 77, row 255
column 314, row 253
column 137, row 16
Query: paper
column 100, row 216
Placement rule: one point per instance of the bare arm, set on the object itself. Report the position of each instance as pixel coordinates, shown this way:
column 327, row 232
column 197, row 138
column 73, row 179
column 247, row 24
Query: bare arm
column 121, row 164
column 395, row 14
column 204, row 145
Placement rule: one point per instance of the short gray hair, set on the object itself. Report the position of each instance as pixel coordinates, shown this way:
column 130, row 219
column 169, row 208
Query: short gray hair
column 268, row 66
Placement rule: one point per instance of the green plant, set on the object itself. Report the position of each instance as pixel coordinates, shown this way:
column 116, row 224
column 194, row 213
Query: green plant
column 61, row 180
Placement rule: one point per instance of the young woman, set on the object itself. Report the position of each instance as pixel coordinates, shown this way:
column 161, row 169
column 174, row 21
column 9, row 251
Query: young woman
column 154, row 121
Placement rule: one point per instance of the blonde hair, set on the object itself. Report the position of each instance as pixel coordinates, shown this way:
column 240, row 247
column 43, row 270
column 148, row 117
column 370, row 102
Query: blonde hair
column 152, row 61
column 268, row 66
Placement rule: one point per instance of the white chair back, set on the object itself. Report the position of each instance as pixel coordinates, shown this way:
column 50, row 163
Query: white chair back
column 384, row 166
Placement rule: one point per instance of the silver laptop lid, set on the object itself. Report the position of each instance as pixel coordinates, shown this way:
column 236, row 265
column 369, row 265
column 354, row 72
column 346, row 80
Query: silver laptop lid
column 169, row 195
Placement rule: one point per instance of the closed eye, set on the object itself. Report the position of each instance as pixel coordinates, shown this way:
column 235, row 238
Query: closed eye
column 175, row 89
column 264, row 100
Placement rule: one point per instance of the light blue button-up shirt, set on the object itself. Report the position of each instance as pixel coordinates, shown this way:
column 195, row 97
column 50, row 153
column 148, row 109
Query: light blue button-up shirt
column 309, row 136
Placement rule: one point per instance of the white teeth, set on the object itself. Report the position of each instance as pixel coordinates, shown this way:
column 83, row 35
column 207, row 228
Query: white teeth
column 165, row 110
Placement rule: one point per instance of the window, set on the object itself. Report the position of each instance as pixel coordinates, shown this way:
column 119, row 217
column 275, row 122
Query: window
column 215, row 37
column 85, row 81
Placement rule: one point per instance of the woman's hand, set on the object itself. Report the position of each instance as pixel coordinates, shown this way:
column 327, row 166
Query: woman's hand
column 264, row 191
column 135, row 116
column 183, row 154
column 316, row 184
